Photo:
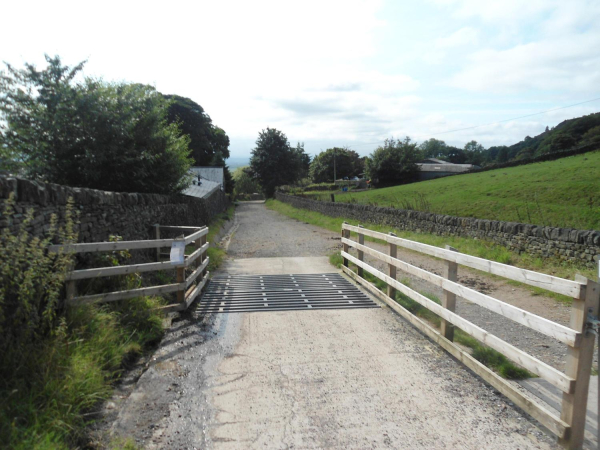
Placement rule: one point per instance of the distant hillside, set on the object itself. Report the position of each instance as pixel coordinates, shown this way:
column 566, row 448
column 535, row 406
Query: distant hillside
column 564, row 193
column 568, row 134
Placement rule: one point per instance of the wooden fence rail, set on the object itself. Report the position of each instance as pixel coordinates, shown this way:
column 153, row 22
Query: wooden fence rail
column 187, row 289
column 569, row 427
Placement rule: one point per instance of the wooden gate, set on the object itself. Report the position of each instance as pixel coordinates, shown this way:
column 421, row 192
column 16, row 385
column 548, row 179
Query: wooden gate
column 187, row 288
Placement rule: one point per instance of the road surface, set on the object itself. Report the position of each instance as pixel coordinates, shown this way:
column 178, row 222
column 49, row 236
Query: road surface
column 356, row 378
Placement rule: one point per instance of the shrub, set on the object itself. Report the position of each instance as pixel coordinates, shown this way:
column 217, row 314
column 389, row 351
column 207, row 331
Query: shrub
column 31, row 280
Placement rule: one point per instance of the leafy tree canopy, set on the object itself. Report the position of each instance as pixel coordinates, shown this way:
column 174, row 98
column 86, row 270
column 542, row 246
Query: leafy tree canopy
column 273, row 162
column 245, row 183
column 394, row 163
column 219, row 161
column 111, row 136
column 433, row 148
column 348, row 163
column 206, row 139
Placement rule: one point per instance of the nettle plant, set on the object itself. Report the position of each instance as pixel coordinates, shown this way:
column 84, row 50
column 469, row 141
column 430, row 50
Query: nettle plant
column 31, row 278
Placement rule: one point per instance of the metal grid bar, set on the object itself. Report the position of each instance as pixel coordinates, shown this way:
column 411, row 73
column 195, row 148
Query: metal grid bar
column 253, row 293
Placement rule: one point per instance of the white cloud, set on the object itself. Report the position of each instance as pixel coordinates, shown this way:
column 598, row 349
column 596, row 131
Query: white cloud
column 464, row 36
column 571, row 65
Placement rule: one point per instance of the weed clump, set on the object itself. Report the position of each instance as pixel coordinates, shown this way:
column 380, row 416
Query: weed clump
column 58, row 361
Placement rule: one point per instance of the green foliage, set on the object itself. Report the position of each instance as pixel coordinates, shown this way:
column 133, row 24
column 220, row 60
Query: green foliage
column 567, row 134
column 561, row 193
column 31, row 281
column 348, row 163
column 219, row 161
column 206, row 139
column 274, row 163
column 245, row 183
column 335, row 259
column 498, row 362
column 393, row 163
column 303, row 161
column 111, row 136
column 58, row 361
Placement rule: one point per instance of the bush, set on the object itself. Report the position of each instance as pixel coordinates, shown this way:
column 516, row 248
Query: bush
column 31, row 280
column 58, row 361
column 394, row 163
column 110, row 136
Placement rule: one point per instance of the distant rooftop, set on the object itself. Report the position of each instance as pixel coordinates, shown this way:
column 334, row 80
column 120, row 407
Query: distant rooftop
column 210, row 173
column 206, row 181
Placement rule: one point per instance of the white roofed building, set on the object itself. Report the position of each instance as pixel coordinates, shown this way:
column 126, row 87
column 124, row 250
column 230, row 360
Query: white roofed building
column 206, row 180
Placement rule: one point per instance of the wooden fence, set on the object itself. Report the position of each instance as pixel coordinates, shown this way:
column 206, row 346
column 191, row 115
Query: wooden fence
column 187, row 288
column 574, row 383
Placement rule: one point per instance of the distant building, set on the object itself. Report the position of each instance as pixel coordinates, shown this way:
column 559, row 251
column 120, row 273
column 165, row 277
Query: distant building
column 434, row 168
column 206, row 180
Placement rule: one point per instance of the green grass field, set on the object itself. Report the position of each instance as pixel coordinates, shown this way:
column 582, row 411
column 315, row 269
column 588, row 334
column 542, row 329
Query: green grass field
column 562, row 193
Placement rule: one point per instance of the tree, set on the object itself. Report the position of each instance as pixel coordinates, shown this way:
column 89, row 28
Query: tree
column 394, row 163
column 502, row 154
column 89, row 134
column 562, row 141
column 348, row 163
column 433, row 148
column 205, row 138
column 474, row 153
column 302, row 159
column 219, row 161
column 245, row 183
column 455, row 155
column 273, row 162
column 591, row 136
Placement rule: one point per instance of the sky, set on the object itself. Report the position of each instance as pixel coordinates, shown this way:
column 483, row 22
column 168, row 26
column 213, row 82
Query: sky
column 335, row 72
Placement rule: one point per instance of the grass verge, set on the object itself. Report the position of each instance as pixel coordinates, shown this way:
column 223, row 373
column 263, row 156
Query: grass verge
column 48, row 397
column 475, row 247
column 485, row 355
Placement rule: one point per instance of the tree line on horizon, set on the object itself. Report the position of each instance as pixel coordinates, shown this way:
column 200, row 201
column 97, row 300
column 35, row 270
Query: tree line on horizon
column 395, row 162
column 129, row 137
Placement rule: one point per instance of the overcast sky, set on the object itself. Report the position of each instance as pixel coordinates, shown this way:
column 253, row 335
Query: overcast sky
column 341, row 72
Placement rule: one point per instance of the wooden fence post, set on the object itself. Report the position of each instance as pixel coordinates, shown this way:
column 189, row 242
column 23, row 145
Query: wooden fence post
column 346, row 235
column 181, row 279
column 203, row 256
column 361, row 254
column 157, row 237
column 393, row 251
column 448, row 298
column 579, row 365
column 71, row 290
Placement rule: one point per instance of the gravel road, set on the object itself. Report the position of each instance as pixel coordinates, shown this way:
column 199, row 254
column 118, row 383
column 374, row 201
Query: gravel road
column 319, row 379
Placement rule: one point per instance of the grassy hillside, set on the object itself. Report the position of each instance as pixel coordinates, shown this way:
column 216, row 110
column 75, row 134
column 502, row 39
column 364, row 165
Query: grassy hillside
column 564, row 193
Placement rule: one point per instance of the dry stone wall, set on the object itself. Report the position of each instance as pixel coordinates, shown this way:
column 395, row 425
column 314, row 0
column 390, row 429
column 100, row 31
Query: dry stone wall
column 102, row 213
column 564, row 243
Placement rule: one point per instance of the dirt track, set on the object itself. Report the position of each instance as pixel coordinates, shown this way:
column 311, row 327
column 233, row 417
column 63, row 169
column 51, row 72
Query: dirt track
column 311, row 379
